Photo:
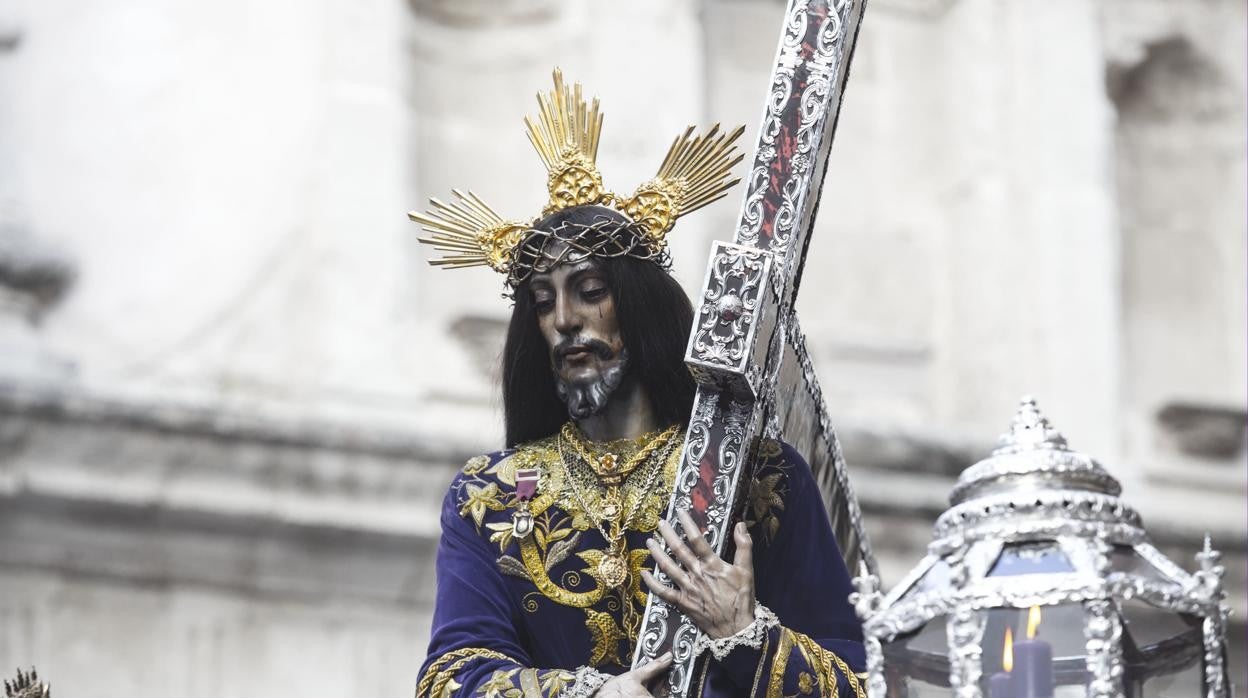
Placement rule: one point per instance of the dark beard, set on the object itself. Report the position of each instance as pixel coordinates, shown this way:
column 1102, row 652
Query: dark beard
column 588, row 398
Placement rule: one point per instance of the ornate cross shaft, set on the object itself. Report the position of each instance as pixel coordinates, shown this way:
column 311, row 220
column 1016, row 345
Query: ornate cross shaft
column 746, row 350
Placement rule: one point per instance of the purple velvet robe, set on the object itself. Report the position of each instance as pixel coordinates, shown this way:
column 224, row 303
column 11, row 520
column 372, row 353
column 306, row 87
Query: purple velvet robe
column 516, row 623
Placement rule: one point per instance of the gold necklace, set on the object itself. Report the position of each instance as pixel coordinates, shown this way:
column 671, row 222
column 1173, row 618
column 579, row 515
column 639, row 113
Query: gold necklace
column 612, row 500
column 613, row 567
column 608, row 466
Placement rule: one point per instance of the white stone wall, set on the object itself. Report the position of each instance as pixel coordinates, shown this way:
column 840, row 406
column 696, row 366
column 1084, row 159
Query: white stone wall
column 230, row 180
column 231, row 391
column 1178, row 82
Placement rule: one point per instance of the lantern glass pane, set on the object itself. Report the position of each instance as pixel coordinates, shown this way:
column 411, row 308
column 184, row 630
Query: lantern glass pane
column 910, row 687
column 921, row 658
column 1150, row 626
column 1123, row 558
column 1183, row 683
column 1046, row 650
column 1039, row 557
column 1161, row 650
column 936, row 579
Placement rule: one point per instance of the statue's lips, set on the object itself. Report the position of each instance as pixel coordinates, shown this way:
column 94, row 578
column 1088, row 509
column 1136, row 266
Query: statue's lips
column 581, row 352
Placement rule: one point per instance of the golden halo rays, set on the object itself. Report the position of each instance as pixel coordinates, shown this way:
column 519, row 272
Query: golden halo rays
column 565, row 132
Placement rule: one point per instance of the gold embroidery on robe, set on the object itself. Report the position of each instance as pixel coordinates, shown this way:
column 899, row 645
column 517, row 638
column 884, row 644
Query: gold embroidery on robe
column 767, row 491
column 498, row 684
column 481, row 498
column 607, row 635
column 439, row 678
column 525, row 683
column 555, row 682
column 824, row 664
column 559, row 524
column 560, row 520
column 775, row 682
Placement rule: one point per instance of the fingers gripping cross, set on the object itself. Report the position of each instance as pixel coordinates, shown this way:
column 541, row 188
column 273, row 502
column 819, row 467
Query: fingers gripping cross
column 717, row 596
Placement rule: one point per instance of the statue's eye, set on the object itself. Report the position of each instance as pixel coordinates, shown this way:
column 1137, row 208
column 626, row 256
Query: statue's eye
column 593, row 290
column 543, row 302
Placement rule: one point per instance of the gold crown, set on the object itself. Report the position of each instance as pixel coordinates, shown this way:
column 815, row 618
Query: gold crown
column 565, row 134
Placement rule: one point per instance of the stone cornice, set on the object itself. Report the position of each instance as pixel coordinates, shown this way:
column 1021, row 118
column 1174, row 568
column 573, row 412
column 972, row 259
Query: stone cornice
column 154, row 494
column 55, row 405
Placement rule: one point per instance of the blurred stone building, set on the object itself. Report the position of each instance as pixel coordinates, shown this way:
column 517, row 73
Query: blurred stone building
column 232, row 393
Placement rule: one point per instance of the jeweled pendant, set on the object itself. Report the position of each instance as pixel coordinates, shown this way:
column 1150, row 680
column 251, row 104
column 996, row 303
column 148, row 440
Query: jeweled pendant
column 612, row 569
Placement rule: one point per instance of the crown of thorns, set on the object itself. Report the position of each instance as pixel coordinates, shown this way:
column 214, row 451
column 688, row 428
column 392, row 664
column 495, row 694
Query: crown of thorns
column 565, row 135
column 570, row 242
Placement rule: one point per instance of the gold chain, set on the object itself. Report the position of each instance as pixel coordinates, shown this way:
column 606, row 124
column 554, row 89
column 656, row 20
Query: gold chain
column 574, row 474
column 614, row 568
column 607, row 466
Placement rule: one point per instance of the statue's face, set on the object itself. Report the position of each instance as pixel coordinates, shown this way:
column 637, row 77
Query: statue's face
column 576, row 315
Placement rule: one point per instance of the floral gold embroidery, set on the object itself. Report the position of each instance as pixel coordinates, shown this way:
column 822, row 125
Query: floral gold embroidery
column 479, row 500
column 528, row 684
column 505, row 470
column 768, row 491
column 766, row 505
column 525, row 683
column 805, row 683
column 769, row 448
column 607, row 635
column 554, row 682
column 501, row 534
column 476, row 464
column 560, row 523
column 499, row 684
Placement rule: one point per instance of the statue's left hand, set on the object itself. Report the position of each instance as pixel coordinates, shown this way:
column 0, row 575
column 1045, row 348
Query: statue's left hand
column 718, row 597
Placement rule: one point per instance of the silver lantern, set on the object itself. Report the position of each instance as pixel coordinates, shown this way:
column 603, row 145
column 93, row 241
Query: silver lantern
column 1041, row 583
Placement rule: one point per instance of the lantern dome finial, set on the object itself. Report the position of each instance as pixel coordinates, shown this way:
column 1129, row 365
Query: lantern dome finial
column 1029, row 430
column 1032, row 455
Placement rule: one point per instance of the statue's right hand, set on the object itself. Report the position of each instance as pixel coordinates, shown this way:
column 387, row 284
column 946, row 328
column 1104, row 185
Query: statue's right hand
column 635, row 683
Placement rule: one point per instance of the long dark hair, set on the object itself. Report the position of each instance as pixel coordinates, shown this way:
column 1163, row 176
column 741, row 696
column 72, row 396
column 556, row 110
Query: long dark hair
column 655, row 318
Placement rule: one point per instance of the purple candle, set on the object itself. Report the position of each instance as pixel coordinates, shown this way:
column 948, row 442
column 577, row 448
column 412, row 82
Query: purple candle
column 1033, row 662
column 1001, row 685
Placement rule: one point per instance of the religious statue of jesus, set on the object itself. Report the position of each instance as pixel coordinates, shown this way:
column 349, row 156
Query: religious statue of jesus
column 549, row 546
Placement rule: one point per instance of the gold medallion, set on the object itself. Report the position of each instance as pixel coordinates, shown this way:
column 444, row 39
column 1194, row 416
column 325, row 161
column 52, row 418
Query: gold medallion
column 612, row 569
